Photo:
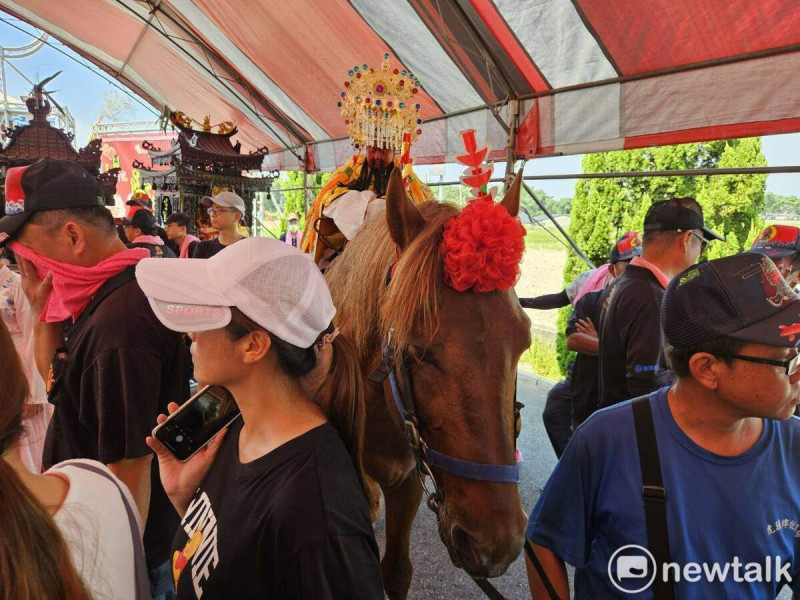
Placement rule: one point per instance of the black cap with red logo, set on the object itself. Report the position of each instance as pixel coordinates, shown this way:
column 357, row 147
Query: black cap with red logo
column 778, row 241
column 742, row 296
column 49, row 184
column 626, row 248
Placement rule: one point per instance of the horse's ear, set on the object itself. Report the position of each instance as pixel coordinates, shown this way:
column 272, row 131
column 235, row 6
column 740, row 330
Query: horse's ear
column 511, row 199
column 404, row 219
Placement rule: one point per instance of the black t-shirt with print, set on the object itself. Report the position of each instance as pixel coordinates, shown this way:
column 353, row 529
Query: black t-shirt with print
column 583, row 380
column 120, row 370
column 293, row 523
column 632, row 361
column 206, row 249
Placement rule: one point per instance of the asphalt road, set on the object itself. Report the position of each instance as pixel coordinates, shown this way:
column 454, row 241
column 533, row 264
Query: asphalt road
column 434, row 575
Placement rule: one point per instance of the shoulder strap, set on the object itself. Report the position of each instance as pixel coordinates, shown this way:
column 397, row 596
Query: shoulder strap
column 140, row 574
column 653, row 493
column 551, row 591
column 127, row 274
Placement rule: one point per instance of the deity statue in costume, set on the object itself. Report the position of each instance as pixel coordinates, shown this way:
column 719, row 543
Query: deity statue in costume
column 381, row 112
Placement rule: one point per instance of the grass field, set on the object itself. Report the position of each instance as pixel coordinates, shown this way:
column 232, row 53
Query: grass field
column 547, row 237
column 542, row 273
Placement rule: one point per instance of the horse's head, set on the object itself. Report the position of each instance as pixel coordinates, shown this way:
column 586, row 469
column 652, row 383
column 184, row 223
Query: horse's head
column 461, row 349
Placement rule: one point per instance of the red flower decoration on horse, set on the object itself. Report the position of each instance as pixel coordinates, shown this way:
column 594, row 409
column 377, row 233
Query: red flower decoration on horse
column 482, row 247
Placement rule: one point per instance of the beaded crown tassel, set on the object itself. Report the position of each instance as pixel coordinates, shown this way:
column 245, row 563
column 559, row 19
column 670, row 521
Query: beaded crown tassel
column 378, row 106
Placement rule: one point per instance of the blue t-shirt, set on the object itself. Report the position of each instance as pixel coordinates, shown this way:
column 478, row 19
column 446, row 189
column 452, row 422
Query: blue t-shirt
column 718, row 507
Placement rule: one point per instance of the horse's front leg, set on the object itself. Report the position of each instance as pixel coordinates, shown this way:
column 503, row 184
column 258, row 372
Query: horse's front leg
column 402, row 502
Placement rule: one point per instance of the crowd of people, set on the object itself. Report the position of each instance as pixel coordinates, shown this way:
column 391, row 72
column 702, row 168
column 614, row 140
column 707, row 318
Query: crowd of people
column 87, row 498
column 93, row 354
column 693, row 373
column 674, row 428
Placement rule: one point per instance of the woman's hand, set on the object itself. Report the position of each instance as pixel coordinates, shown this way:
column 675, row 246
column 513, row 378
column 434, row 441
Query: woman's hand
column 36, row 289
column 181, row 479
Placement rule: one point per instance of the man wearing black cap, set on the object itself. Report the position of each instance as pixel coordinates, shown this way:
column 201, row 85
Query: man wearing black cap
column 631, row 347
column 140, row 231
column 142, row 200
column 118, row 366
column 714, row 487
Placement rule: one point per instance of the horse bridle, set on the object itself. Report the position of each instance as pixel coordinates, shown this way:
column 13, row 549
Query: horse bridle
column 427, row 458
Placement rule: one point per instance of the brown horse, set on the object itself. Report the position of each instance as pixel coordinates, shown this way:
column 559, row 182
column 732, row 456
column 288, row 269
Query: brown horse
column 462, row 350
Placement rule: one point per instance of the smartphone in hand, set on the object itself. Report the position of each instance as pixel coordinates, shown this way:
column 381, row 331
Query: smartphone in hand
column 197, row 421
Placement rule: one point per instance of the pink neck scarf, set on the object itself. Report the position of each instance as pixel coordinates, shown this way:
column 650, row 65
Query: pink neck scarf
column 74, row 286
column 646, row 264
column 148, row 239
column 187, row 241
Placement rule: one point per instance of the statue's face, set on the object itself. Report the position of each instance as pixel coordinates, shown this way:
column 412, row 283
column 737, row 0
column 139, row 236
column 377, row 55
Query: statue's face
column 379, row 156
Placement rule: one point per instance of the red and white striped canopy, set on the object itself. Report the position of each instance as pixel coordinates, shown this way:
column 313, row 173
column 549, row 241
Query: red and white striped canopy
column 581, row 75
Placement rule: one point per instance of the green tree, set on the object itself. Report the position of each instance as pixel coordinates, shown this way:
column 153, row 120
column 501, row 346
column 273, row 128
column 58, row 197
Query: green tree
column 292, row 201
column 603, row 209
column 778, row 204
column 732, row 204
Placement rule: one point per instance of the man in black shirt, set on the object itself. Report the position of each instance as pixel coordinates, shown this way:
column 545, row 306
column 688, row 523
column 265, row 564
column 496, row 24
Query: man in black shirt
column 582, row 335
column 140, row 231
column 225, row 210
column 117, row 367
column 632, row 359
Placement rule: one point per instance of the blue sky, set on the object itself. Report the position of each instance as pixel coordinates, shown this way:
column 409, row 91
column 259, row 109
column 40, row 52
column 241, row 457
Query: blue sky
column 82, row 91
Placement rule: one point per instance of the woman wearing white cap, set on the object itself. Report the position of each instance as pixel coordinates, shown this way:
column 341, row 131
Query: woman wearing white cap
column 277, row 507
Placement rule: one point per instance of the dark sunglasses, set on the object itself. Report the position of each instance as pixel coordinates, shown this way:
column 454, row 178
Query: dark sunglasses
column 703, row 241
column 790, row 365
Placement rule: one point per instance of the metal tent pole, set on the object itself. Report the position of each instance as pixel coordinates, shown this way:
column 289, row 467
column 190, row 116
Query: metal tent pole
column 550, row 216
column 6, row 123
column 305, row 179
column 513, row 116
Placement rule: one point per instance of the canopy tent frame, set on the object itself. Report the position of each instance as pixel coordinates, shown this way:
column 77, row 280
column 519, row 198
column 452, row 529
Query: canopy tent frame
column 490, row 51
column 477, row 38
column 155, row 7
column 619, row 175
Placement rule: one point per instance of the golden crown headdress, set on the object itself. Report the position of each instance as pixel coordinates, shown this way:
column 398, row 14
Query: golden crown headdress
column 379, row 106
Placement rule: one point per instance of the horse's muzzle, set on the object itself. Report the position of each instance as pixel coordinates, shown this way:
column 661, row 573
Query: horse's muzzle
column 481, row 558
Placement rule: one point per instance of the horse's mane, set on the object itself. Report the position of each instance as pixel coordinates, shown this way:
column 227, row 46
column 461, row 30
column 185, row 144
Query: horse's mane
column 366, row 307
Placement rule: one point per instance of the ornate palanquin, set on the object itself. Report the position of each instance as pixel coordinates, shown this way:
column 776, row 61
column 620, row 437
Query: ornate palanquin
column 201, row 163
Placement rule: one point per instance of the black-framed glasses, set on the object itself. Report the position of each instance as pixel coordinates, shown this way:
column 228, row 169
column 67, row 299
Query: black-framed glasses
column 790, row 365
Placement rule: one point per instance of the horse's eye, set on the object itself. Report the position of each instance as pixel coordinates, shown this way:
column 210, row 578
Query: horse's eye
column 424, row 355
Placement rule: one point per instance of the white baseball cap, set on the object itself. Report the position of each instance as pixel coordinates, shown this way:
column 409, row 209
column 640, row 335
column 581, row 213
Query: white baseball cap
column 271, row 282
column 228, row 199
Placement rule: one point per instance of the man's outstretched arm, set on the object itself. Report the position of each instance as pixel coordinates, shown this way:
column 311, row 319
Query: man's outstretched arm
column 555, row 570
